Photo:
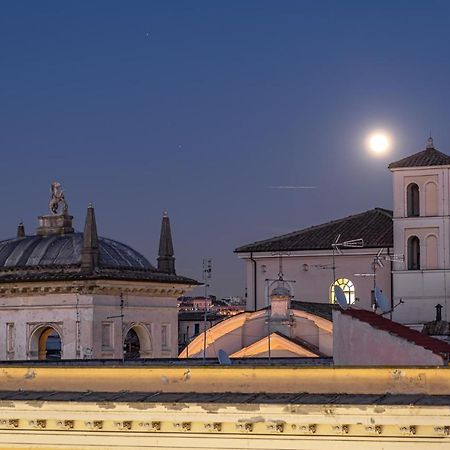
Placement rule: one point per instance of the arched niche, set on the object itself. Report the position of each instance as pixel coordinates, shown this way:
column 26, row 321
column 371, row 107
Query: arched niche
column 46, row 343
column 431, row 199
column 431, row 248
column 412, row 200
column 137, row 342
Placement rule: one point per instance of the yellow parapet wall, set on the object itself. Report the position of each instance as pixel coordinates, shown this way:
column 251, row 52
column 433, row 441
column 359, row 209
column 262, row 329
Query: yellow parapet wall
column 203, row 379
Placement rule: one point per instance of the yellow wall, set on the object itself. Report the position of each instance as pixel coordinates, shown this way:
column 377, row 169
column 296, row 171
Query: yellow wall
column 229, row 379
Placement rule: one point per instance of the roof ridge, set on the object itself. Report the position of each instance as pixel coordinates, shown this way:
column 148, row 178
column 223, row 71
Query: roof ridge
column 386, row 212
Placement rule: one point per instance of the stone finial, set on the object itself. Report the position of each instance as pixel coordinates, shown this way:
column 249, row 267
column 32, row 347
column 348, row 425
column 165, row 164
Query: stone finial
column 430, row 143
column 166, row 260
column 20, row 230
column 90, row 254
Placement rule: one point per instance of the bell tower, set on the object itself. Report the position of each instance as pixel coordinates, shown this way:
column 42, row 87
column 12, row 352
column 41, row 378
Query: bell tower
column 421, row 235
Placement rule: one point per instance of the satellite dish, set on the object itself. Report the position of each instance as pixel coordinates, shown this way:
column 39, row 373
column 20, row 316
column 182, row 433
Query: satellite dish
column 224, row 359
column 340, row 297
column 381, row 300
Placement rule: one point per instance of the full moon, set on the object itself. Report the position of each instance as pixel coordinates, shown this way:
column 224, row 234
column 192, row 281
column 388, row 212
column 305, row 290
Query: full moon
column 379, row 142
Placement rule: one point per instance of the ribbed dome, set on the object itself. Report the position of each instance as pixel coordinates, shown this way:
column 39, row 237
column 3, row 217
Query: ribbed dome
column 58, row 250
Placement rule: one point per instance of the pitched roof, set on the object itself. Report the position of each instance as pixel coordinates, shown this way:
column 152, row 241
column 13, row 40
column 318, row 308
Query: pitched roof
column 373, row 226
column 436, row 346
column 428, row 157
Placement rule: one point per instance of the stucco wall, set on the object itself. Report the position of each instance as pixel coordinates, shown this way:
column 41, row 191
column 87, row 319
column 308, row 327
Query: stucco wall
column 312, row 275
column 358, row 343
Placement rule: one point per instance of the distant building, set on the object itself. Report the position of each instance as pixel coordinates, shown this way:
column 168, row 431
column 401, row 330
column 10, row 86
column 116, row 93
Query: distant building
column 191, row 316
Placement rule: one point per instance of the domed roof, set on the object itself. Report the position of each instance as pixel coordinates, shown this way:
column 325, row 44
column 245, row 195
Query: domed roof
column 66, row 249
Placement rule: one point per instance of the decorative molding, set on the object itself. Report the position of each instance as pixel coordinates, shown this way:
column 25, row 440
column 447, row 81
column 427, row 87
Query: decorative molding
column 275, row 427
column 182, row 426
column 9, row 423
column 408, row 430
column 124, row 425
column 305, row 429
column 244, row 427
column 374, row 429
column 215, row 426
column 38, row 423
column 94, row 424
column 66, row 424
column 261, row 428
column 442, row 430
column 341, row 429
column 154, row 289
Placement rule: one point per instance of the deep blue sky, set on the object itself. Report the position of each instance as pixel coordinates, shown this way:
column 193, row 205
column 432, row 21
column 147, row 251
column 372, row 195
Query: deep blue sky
column 198, row 107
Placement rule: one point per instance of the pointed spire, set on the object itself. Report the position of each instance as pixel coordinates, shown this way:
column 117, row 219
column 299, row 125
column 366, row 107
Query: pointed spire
column 430, row 143
column 166, row 260
column 90, row 255
column 20, row 230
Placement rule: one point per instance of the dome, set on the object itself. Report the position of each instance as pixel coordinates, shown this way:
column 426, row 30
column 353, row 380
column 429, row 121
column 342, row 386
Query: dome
column 65, row 249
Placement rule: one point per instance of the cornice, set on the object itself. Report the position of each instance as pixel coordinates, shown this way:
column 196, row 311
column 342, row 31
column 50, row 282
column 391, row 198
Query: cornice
column 315, row 421
column 97, row 287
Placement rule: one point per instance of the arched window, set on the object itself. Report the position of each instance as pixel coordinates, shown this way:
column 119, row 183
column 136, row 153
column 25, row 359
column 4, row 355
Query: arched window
column 49, row 344
column 347, row 286
column 413, row 253
column 412, row 200
column 131, row 345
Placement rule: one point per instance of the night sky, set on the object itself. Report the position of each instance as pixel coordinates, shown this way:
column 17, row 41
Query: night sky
column 201, row 108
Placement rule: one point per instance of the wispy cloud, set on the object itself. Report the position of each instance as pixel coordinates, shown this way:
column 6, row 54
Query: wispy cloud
column 292, row 187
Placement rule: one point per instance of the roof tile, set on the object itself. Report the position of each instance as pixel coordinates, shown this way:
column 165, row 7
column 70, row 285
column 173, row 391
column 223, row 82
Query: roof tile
column 373, row 226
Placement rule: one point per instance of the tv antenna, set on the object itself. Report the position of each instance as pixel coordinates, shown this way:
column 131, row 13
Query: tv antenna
column 121, row 323
column 337, row 247
column 207, row 275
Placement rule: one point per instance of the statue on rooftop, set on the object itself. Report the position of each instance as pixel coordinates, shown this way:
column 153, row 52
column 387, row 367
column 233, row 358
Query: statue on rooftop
column 57, row 199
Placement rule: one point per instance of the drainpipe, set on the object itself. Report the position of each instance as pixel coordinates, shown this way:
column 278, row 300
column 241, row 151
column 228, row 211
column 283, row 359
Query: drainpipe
column 392, row 283
column 254, row 280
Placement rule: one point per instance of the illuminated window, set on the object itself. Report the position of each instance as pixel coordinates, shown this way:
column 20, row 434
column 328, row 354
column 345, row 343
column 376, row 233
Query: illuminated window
column 347, row 286
column 412, row 197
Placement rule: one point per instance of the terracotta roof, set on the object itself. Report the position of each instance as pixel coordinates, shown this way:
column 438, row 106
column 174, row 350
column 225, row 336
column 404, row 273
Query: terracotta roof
column 373, row 226
column 428, row 157
column 436, row 346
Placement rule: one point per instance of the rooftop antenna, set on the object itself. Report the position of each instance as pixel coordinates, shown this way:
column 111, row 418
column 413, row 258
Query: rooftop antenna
column 207, row 275
column 121, row 323
column 337, row 247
